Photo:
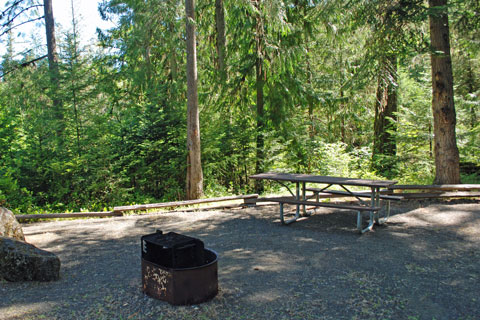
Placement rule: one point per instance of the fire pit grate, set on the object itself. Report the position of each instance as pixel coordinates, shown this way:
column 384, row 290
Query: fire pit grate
column 173, row 250
column 178, row 269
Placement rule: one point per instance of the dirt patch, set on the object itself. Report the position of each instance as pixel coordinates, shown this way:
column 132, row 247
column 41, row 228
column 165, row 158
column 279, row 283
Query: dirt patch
column 423, row 264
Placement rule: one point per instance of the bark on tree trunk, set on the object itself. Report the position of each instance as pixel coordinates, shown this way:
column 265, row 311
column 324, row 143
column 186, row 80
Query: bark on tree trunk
column 73, row 79
column 384, row 145
column 194, row 163
column 472, row 88
column 260, row 82
column 54, row 73
column 50, row 32
column 173, row 56
column 447, row 170
column 260, row 154
column 221, row 40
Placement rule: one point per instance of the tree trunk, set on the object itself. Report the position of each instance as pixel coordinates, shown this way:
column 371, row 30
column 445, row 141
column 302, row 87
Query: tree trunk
column 384, row 144
column 173, row 56
column 447, row 170
column 73, row 79
column 194, row 162
column 260, row 153
column 260, row 82
column 54, row 73
column 221, row 40
column 51, row 43
column 472, row 88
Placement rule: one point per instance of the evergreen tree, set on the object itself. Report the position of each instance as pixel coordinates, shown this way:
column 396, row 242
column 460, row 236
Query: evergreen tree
column 444, row 117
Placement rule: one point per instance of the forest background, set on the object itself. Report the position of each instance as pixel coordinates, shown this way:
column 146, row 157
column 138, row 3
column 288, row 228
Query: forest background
column 326, row 87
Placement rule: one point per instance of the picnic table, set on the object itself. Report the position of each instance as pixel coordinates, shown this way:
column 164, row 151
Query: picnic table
column 328, row 183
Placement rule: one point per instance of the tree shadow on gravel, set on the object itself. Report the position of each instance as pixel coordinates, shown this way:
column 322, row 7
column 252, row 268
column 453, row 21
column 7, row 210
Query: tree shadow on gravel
column 423, row 264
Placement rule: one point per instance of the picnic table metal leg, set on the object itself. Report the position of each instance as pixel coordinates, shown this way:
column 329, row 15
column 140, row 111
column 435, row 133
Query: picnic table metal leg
column 386, row 212
column 304, row 198
column 282, row 219
column 371, row 222
column 373, row 215
column 297, row 197
column 374, row 203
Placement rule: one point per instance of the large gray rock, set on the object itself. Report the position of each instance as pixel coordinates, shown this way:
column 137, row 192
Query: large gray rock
column 9, row 226
column 20, row 261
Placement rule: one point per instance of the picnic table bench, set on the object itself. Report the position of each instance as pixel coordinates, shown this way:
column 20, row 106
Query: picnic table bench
column 299, row 198
column 291, row 200
column 319, row 193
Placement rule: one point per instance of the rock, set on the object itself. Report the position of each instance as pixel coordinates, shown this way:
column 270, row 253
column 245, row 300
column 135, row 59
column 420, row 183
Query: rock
column 9, row 226
column 20, row 261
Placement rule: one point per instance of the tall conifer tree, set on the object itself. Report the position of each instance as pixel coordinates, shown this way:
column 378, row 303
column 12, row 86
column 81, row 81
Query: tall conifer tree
column 194, row 162
column 447, row 169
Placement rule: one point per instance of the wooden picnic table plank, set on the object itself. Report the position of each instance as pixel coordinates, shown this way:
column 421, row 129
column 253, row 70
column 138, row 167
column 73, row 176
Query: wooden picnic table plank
column 291, row 200
column 361, row 194
column 298, row 177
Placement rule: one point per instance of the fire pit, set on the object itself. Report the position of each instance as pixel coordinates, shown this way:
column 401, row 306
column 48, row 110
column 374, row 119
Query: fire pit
column 178, row 269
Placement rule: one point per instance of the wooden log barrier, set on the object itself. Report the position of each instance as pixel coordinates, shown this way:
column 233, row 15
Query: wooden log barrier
column 435, row 191
column 67, row 215
column 247, row 199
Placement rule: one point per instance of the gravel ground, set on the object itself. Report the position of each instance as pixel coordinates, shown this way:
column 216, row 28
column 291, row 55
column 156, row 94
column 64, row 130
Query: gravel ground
column 424, row 264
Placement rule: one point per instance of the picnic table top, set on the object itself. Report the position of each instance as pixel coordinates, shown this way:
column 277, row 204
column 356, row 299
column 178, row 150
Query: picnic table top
column 298, row 177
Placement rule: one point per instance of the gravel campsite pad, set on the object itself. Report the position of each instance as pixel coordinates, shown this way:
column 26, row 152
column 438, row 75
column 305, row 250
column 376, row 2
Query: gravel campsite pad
column 423, row 264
